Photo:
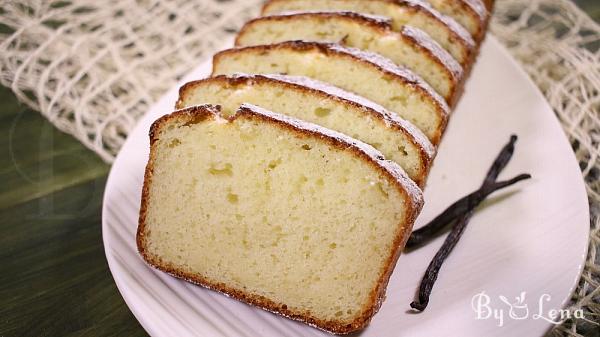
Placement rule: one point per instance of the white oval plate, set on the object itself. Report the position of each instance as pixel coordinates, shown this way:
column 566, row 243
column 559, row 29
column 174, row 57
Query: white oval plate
column 532, row 239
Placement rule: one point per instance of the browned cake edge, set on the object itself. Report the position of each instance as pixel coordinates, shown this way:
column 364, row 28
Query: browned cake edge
column 373, row 21
column 477, row 10
column 458, row 33
column 413, row 200
column 477, row 7
column 319, row 89
column 489, row 10
column 415, row 38
column 388, row 68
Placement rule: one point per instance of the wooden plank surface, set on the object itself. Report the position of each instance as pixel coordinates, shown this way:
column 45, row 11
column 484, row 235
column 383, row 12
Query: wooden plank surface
column 53, row 274
column 54, row 279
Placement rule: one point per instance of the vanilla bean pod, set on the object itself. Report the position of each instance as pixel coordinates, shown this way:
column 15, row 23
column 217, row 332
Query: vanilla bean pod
column 435, row 265
column 489, row 185
column 501, row 161
column 457, row 230
column 458, row 209
column 466, row 204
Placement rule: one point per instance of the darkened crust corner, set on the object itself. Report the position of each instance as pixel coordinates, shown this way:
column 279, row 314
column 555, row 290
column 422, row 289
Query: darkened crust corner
column 196, row 114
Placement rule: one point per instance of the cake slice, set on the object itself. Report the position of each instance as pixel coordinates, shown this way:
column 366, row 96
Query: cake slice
column 322, row 104
column 275, row 212
column 471, row 14
column 365, row 74
column 411, row 47
column 444, row 30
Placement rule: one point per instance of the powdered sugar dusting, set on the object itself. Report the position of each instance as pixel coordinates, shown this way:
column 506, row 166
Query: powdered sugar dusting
column 419, row 37
column 479, row 7
column 374, row 108
column 390, row 67
column 423, row 39
column 380, row 62
column 327, row 89
column 334, row 91
column 454, row 26
column 392, row 168
column 378, row 19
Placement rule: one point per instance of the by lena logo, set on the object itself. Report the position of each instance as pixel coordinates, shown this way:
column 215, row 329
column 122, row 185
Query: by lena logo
column 519, row 309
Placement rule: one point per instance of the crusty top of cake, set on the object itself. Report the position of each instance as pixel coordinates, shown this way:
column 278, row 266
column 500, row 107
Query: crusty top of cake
column 426, row 8
column 387, row 166
column 414, row 5
column 425, row 40
column 375, row 21
column 372, row 107
column 319, row 94
column 384, row 20
column 416, row 37
column 388, row 66
column 383, row 64
column 478, row 7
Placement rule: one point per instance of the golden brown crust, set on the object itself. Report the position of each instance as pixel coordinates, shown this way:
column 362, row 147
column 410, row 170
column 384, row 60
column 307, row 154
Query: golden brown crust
column 475, row 54
column 457, row 34
column 332, row 50
column 410, row 36
column 476, row 10
column 475, row 7
column 486, row 21
column 414, row 204
column 419, row 141
column 382, row 24
column 478, row 6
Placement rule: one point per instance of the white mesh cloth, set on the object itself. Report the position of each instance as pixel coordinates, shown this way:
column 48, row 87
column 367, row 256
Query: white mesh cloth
column 559, row 46
column 92, row 68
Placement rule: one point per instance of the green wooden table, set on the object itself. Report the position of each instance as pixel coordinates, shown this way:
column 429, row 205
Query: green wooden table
column 54, row 279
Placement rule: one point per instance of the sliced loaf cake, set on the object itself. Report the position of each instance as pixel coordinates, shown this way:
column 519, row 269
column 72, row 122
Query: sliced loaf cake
column 322, row 104
column 471, row 14
column 444, row 30
column 365, row 74
column 411, row 47
column 276, row 212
